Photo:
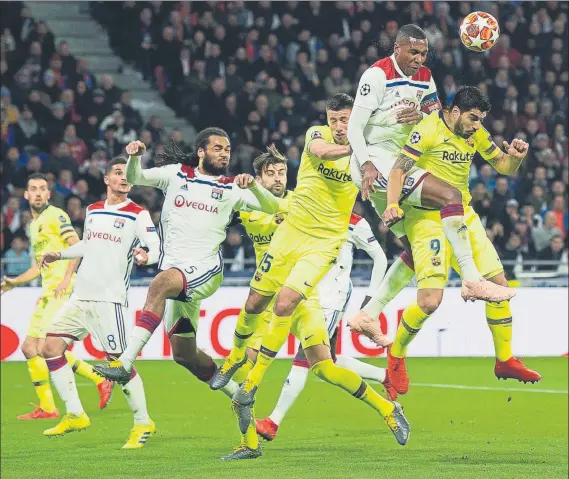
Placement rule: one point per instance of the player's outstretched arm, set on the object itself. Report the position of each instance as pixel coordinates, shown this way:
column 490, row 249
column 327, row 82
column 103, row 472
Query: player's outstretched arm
column 254, row 196
column 135, row 175
column 329, row 151
column 508, row 162
column 395, row 183
column 71, row 268
column 9, row 283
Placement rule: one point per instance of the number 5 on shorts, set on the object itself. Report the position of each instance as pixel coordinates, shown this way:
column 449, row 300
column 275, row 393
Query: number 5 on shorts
column 265, row 264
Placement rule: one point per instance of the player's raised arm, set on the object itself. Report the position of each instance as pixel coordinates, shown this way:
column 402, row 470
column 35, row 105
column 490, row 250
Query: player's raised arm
column 365, row 240
column 508, row 162
column 254, row 196
column 135, row 175
column 146, row 233
column 10, row 283
column 328, row 151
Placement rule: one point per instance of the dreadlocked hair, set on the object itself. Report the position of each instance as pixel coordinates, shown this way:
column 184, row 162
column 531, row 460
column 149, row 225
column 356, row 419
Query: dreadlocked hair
column 173, row 155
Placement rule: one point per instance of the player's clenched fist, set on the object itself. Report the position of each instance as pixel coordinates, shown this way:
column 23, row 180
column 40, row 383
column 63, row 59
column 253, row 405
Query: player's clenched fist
column 245, row 181
column 518, row 148
column 392, row 215
column 135, row 148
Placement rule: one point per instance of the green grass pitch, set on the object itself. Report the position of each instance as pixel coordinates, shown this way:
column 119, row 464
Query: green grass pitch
column 457, row 433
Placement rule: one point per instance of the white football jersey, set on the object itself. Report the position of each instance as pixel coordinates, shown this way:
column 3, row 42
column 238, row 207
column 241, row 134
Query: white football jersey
column 335, row 288
column 196, row 211
column 384, row 89
column 110, row 234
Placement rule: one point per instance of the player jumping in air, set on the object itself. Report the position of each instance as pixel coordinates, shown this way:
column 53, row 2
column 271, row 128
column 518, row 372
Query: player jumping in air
column 334, row 291
column 302, row 251
column 393, row 95
column 114, row 231
column 50, row 230
column 444, row 144
column 198, row 204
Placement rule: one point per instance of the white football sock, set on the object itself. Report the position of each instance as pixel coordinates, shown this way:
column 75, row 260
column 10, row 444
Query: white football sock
column 292, row 388
column 230, row 388
column 365, row 370
column 396, row 278
column 138, row 339
column 458, row 236
column 136, row 399
column 64, row 381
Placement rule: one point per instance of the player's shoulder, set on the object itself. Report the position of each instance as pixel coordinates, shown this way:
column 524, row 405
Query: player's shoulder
column 423, row 75
column 132, row 207
column 355, row 219
column 383, row 69
column 53, row 213
column 98, row 205
column 321, row 132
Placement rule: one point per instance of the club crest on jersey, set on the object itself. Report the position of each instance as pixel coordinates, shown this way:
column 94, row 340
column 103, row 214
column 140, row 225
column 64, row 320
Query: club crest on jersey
column 470, row 142
column 436, row 261
column 119, row 223
column 419, row 95
column 217, row 193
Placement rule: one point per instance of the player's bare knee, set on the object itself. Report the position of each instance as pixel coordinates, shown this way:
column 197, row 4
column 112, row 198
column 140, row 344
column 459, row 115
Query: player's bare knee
column 256, row 303
column 429, row 301
column 451, row 196
column 500, row 279
column 286, row 302
column 29, row 348
column 52, row 348
column 252, row 355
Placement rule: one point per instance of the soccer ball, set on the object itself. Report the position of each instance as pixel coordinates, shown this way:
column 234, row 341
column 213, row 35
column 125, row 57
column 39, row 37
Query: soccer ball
column 479, row 31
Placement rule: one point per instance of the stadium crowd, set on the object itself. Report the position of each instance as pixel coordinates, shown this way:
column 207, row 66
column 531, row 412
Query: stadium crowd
column 262, row 71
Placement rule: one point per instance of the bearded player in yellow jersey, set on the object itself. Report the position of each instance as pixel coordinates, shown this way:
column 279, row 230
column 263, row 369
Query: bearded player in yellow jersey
column 302, row 251
column 50, row 230
column 444, row 144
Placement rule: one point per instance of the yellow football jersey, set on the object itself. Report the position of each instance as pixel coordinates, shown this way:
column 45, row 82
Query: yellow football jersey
column 325, row 193
column 49, row 232
column 446, row 155
column 260, row 226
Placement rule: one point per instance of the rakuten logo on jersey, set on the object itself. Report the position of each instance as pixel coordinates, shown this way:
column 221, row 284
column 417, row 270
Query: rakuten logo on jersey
column 456, row 157
column 181, row 202
column 332, row 174
column 261, row 239
column 92, row 235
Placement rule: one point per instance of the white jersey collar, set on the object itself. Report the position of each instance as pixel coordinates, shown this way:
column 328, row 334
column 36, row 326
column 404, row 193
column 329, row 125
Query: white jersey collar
column 117, row 206
column 397, row 69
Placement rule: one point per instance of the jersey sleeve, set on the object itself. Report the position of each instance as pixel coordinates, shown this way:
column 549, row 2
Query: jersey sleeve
column 313, row 133
column 63, row 225
column 485, row 145
column 430, row 101
column 371, row 89
column 256, row 198
column 419, row 141
column 146, row 233
column 363, row 238
column 156, row 177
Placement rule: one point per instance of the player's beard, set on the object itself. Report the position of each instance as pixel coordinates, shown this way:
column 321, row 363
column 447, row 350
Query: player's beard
column 277, row 191
column 209, row 167
column 38, row 209
column 460, row 131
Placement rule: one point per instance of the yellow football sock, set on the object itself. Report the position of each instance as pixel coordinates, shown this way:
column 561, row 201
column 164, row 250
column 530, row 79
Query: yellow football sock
column 276, row 336
column 83, row 368
column 242, row 372
column 250, row 438
column 349, row 381
column 244, row 329
column 411, row 323
column 39, row 373
column 499, row 319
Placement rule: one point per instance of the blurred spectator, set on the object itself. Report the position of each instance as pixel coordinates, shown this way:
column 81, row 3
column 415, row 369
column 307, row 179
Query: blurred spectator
column 553, row 252
column 542, row 235
column 17, row 257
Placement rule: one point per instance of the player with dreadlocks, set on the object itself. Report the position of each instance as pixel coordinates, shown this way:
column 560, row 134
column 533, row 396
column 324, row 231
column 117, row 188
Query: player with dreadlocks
column 199, row 202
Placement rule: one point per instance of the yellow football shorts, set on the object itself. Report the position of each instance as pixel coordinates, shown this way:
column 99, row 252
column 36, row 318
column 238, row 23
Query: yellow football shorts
column 46, row 309
column 432, row 253
column 308, row 324
column 295, row 260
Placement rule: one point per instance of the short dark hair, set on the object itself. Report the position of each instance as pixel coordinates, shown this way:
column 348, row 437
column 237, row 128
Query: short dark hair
column 340, row 101
column 471, row 98
column 272, row 157
column 173, row 154
column 119, row 160
column 406, row 32
column 35, row 176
